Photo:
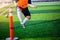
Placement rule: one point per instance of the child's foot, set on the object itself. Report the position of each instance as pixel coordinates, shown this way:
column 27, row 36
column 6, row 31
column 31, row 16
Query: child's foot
column 23, row 25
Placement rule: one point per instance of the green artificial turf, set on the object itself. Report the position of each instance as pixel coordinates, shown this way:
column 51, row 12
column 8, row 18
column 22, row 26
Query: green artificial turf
column 44, row 24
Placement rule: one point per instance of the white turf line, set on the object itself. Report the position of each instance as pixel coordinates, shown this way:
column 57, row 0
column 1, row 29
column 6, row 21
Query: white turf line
column 4, row 12
column 3, row 5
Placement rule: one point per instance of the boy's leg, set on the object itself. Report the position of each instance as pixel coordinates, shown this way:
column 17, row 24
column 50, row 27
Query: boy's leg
column 19, row 14
column 27, row 18
column 26, row 14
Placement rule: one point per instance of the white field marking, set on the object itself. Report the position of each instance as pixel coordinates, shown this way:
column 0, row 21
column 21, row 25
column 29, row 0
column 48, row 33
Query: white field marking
column 3, row 5
column 4, row 12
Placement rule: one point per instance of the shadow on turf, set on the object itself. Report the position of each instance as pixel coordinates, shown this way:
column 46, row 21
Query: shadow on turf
column 45, row 11
column 32, row 29
column 43, row 28
column 34, row 23
column 55, row 22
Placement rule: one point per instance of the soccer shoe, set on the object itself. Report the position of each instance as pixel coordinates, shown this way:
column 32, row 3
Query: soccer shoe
column 23, row 25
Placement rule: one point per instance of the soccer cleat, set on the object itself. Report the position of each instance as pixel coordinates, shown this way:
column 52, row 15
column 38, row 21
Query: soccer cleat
column 23, row 25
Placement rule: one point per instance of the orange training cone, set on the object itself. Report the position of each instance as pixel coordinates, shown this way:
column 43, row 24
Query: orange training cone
column 11, row 25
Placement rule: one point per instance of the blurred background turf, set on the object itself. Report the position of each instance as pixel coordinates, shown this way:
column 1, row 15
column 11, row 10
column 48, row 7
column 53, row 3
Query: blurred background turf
column 44, row 24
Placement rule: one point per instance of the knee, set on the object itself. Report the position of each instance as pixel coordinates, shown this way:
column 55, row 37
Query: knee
column 29, row 17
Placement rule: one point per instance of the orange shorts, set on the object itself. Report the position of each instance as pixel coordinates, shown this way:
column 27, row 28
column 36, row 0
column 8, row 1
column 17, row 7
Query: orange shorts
column 22, row 3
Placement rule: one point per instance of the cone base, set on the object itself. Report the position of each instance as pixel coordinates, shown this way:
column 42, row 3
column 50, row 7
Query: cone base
column 13, row 39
